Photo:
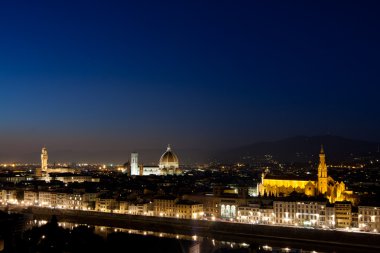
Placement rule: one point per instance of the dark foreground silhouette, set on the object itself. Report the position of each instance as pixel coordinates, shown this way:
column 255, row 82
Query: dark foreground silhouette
column 51, row 238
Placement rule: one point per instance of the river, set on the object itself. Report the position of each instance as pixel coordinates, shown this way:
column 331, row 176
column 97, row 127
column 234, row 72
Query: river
column 203, row 244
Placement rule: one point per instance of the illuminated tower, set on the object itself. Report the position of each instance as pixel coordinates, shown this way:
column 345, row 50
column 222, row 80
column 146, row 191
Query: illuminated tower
column 322, row 173
column 135, row 170
column 44, row 159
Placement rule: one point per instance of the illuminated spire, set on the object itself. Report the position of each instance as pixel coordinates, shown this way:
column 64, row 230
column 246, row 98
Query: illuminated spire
column 168, row 149
column 322, row 173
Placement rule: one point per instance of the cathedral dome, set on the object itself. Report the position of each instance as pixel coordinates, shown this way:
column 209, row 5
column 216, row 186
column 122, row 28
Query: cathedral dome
column 169, row 159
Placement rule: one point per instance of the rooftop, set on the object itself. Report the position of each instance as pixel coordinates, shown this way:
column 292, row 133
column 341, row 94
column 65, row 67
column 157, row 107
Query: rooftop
column 292, row 177
column 187, row 202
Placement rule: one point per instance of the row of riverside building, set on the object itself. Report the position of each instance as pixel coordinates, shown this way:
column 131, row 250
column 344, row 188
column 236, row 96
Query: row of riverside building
column 289, row 211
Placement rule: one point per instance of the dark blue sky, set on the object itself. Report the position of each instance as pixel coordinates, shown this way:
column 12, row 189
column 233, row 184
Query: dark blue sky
column 112, row 75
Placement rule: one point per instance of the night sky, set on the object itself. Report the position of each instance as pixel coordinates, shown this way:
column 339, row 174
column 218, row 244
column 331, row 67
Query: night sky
column 111, row 77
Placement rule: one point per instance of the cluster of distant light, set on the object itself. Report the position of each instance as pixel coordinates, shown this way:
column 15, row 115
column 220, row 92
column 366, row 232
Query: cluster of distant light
column 347, row 166
column 58, row 164
column 13, row 165
column 5, row 165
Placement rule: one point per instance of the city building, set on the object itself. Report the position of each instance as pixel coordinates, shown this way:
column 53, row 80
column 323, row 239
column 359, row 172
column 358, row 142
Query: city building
column 8, row 196
column 369, row 218
column 221, row 203
column 343, row 217
column 107, row 205
column 170, row 206
column 266, row 214
column 164, row 206
column 330, row 216
column 123, row 206
column 140, row 208
column 306, row 213
column 168, row 165
column 354, row 217
column 14, row 178
column 70, row 178
column 30, row 198
column 211, row 204
column 186, row 209
column 65, row 199
column 256, row 213
column 44, row 171
column 273, row 185
column 249, row 213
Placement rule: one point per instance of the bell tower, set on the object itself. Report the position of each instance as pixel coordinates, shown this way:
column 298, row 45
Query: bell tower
column 44, row 159
column 322, row 172
column 135, row 170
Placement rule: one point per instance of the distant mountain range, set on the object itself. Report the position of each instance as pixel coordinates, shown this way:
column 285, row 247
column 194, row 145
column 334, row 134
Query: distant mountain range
column 295, row 149
column 301, row 149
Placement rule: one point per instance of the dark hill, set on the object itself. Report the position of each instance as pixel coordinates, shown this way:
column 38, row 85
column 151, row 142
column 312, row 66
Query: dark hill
column 302, row 149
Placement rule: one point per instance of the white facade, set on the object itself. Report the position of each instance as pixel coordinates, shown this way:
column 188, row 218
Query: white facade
column 151, row 170
column 135, row 170
column 228, row 211
column 369, row 218
column 300, row 213
column 249, row 214
column 168, row 165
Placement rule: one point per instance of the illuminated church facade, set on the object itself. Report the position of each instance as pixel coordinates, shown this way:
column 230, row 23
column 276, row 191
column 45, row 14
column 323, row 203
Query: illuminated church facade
column 168, row 165
column 321, row 185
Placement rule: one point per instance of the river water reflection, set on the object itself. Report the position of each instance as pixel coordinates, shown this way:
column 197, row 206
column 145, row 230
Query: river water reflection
column 205, row 244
